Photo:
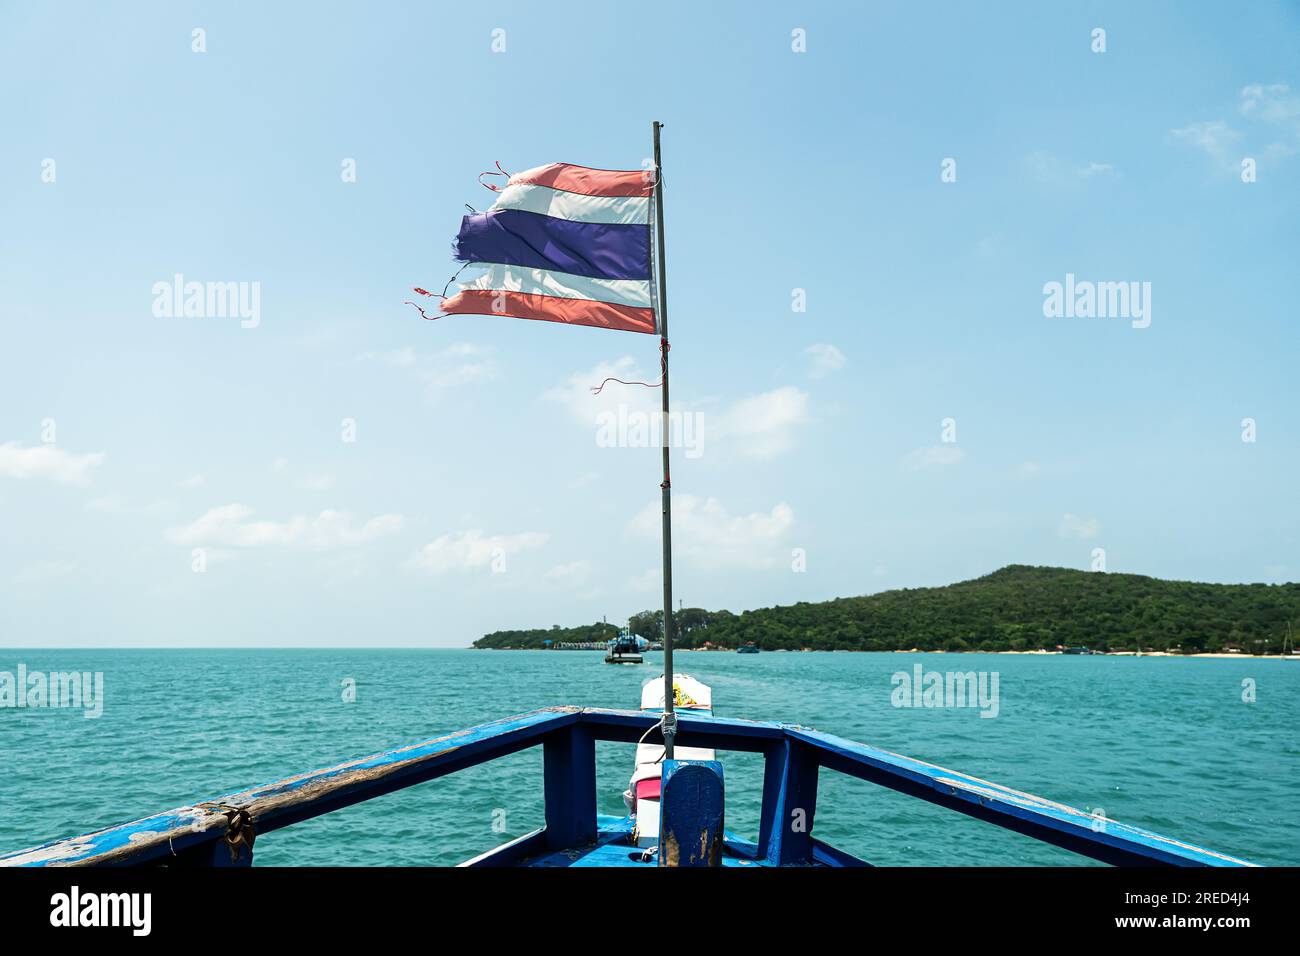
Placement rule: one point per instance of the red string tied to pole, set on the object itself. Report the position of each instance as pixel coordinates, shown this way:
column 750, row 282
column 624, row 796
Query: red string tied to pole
column 663, row 371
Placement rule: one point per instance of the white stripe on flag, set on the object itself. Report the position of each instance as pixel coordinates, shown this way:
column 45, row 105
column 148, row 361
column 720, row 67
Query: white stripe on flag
column 630, row 292
column 613, row 210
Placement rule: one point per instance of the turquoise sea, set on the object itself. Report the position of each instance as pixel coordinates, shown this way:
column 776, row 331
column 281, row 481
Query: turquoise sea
column 1167, row 744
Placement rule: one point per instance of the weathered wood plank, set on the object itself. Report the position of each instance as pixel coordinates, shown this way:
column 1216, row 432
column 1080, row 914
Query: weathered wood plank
column 278, row 804
column 693, row 729
column 569, row 785
column 794, row 753
column 1046, row 820
column 789, row 804
column 692, row 813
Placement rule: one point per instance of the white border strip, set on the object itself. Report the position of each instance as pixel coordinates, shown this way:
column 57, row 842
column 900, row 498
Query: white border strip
column 545, row 201
column 501, row 278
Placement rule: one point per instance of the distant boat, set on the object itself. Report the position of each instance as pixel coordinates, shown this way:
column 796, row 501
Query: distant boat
column 1075, row 650
column 624, row 649
column 748, row 648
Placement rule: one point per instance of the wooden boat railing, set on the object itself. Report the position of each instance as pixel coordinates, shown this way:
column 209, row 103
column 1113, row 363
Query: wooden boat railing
column 221, row 832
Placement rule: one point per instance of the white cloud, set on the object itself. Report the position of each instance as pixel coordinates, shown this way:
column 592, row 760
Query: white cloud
column 824, row 359
column 462, row 364
column 471, row 550
column 1073, row 526
column 705, row 534
column 575, row 393
column 1028, row 469
column 1272, row 103
column 193, row 481
column 572, row 574
column 936, row 456
column 1054, row 171
column 231, row 525
column 47, row 461
column 1269, row 111
column 320, row 482
column 762, row 426
column 1097, row 169
column 1216, row 139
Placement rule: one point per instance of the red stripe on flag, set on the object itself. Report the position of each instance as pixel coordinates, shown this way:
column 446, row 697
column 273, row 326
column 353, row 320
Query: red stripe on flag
column 550, row 308
column 589, row 182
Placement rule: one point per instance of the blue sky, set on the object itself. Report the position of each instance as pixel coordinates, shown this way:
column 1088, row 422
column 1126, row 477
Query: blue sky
column 476, row 494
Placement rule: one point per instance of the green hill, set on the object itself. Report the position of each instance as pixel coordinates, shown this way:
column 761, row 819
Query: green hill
column 1016, row 608
column 516, row 640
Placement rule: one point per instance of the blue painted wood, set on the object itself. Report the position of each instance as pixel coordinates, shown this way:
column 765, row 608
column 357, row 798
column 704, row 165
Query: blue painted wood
column 1046, row 820
column 789, row 804
column 223, row 855
column 693, row 729
column 612, row 849
column 570, row 786
column 692, row 810
column 197, row 832
column 514, row 853
column 826, row 855
column 274, row 805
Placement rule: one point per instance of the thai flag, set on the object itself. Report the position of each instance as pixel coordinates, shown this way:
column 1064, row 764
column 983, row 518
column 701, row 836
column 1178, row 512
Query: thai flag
column 562, row 243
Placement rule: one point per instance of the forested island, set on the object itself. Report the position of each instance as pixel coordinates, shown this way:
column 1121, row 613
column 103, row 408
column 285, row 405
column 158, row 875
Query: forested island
column 1018, row 608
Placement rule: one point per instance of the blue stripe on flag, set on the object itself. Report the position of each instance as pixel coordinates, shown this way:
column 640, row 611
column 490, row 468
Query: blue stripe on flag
column 517, row 238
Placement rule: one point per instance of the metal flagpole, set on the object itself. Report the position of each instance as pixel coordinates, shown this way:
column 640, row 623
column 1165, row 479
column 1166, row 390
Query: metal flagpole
column 670, row 716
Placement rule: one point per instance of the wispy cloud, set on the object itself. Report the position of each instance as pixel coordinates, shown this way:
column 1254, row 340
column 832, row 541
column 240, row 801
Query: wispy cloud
column 456, row 365
column 472, row 550
column 319, row 482
column 1216, row 139
column 1270, row 113
column 935, row 456
column 762, row 426
column 1096, row 169
column 1074, row 526
column 48, row 462
column 575, row 392
column 758, row 426
column 233, row 526
column 1053, row 171
column 706, row 534
column 823, row 359
column 571, row 574
column 1272, row 103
